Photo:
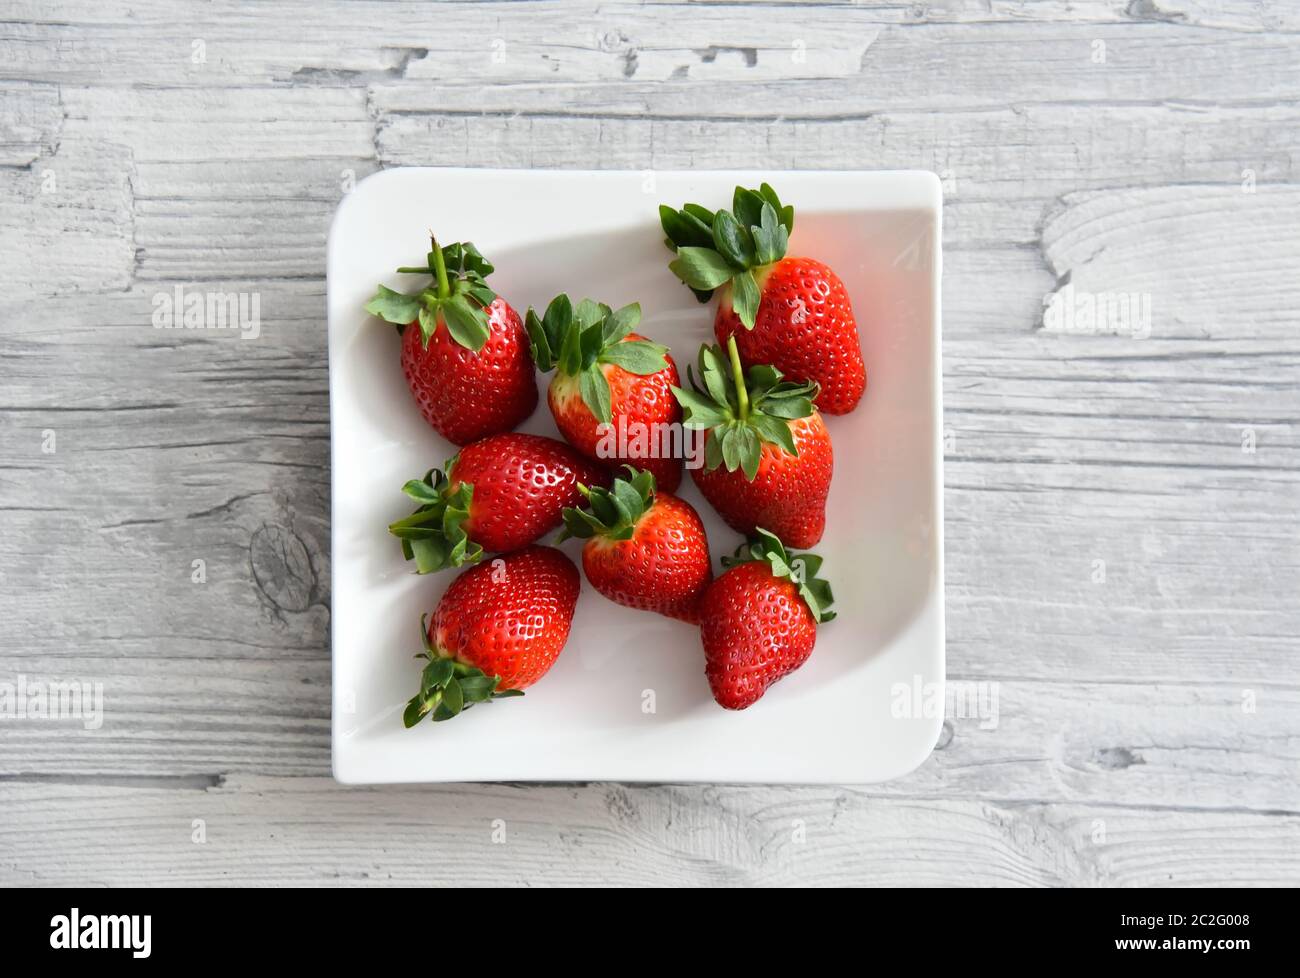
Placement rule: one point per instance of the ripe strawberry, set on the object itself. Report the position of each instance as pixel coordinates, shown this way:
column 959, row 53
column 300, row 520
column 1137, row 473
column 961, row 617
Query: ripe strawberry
column 496, row 631
column 758, row 620
column 612, row 390
column 767, row 453
column 467, row 361
column 501, row 493
column 793, row 313
column 644, row 549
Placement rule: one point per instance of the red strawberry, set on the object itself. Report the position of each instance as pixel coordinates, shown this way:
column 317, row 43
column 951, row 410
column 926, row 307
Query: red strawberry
column 767, row 453
column 793, row 313
column 644, row 549
column 498, row 494
column 496, row 631
column 612, row 391
column 466, row 361
column 758, row 620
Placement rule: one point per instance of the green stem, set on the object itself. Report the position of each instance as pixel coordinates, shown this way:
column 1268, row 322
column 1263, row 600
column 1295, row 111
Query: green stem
column 738, row 376
column 440, row 269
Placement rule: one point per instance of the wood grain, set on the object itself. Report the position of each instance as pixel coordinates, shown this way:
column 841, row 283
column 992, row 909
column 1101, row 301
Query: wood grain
column 309, row 831
column 1123, row 512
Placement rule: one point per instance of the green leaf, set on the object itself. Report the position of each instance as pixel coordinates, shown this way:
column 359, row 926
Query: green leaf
column 424, row 522
column 713, row 450
column 603, row 508
column 730, row 440
column 715, row 374
column 539, row 343
column 452, row 697
column 701, row 268
column 747, row 206
column 589, row 312
column 643, row 481
column 754, row 233
column 555, row 321
column 415, row 711
column 625, row 514
column 474, row 260
column 684, row 228
column 468, row 326
column 480, row 294
column 428, row 325
column 477, row 688
column 570, row 360
column 595, row 392
column 744, row 298
column 615, row 512
column 580, row 523
column 775, row 431
column 435, row 674
column 639, row 357
column 426, row 644
column 732, row 241
column 466, row 270
column 785, row 214
column 442, row 713
column 421, row 491
column 806, row 567
column 434, row 535
column 767, row 237
column 761, row 378
column 749, row 450
column 789, row 408
column 591, row 342
column 700, row 213
column 622, row 322
column 628, row 498
column 698, row 411
column 394, row 307
column 430, row 554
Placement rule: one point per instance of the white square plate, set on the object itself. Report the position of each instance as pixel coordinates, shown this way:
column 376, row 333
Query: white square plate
column 855, row 712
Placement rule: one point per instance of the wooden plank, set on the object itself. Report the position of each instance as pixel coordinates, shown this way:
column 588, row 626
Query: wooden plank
column 306, row 831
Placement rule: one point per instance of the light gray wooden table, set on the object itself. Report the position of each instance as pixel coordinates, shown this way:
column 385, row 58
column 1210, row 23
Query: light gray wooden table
column 1123, row 508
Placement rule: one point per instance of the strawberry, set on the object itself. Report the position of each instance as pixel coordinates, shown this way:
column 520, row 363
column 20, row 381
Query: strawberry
column 612, row 391
column 767, row 453
column 793, row 313
column 501, row 493
column 758, row 620
column 466, row 361
column 497, row 630
column 644, row 549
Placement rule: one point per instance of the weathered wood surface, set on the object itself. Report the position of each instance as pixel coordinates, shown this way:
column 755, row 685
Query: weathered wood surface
column 1123, row 513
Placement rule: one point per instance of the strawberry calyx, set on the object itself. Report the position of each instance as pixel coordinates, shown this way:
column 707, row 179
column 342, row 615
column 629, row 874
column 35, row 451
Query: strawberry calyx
column 458, row 296
column 577, row 341
column 729, row 250
column 611, row 513
column 800, row 569
column 434, row 535
column 742, row 408
column 448, row 687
